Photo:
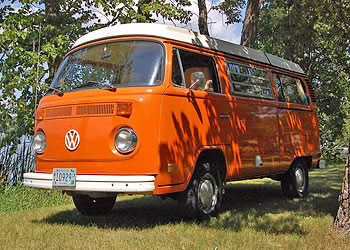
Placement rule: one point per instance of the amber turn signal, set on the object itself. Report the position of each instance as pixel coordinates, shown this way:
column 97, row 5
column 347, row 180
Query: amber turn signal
column 39, row 115
column 124, row 109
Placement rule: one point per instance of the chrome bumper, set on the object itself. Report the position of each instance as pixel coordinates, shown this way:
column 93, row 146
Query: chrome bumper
column 96, row 183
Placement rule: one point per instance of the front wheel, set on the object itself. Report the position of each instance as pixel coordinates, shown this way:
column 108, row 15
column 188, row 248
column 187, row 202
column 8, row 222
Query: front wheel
column 203, row 196
column 295, row 183
column 87, row 205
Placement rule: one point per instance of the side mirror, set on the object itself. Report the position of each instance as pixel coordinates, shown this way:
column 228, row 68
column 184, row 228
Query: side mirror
column 197, row 79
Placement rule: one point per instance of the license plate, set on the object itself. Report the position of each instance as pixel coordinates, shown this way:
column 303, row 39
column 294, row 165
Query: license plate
column 63, row 177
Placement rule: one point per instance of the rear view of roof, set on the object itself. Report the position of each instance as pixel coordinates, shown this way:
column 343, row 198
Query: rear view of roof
column 190, row 37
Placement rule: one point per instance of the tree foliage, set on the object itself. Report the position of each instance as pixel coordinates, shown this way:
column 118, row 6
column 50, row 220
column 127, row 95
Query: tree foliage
column 232, row 10
column 315, row 34
column 127, row 11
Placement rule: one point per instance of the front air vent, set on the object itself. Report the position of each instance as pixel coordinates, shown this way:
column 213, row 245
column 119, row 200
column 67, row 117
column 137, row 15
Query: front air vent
column 80, row 110
column 311, row 91
column 58, row 112
column 100, row 109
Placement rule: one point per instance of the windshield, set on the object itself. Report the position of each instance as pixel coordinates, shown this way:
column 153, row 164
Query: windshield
column 116, row 64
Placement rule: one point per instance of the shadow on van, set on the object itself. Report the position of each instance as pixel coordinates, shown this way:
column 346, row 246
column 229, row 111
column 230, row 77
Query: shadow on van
column 257, row 204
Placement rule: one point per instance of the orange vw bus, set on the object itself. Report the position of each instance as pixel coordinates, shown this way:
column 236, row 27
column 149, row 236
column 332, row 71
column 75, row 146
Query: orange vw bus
column 155, row 109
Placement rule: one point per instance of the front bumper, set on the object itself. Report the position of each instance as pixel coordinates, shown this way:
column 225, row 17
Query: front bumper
column 96, row 183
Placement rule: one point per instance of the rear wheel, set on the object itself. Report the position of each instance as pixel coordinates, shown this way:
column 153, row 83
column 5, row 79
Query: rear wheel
column 87, row 205
column 203, row 196
column 295, row 183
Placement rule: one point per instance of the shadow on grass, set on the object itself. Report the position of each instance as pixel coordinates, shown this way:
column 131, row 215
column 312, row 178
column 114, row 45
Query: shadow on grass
column 140, row 212
column 246, row 205
column 264, row 208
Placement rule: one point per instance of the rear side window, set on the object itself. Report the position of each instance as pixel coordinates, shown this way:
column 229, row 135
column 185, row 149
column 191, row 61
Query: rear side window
column 187, row 65
column 249, row 81
column 290, row 89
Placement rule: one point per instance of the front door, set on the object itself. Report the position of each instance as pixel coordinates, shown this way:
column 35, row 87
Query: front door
column 194, row 114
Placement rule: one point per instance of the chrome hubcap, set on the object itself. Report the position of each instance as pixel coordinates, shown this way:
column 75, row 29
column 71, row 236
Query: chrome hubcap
column 207, row 193
column 300, row 179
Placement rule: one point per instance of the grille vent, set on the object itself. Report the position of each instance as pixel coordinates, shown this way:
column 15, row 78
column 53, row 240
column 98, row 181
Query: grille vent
column 58, row 112
column 311, row 91
column 101, row 109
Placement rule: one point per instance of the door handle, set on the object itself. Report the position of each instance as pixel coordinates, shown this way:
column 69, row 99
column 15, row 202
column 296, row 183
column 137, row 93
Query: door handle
column 226, row 116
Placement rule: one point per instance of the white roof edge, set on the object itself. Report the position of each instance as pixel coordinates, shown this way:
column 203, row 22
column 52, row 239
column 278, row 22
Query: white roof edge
column 190, row 37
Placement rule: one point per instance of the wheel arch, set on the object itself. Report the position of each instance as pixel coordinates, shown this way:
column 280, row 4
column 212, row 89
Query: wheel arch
column 306, row 159
column 214, row 156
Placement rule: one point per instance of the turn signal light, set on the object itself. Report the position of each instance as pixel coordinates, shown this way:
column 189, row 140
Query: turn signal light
column 39, row 115
column 124, row 109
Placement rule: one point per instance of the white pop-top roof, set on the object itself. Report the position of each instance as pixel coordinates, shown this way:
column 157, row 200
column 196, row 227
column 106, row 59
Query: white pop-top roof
column 190, row 37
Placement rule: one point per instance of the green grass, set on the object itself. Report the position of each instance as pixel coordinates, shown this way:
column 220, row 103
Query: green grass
column 19, row 197
column 255, row 215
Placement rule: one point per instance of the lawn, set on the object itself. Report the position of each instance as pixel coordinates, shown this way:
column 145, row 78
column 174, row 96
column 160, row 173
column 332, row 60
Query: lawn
column 255, row 215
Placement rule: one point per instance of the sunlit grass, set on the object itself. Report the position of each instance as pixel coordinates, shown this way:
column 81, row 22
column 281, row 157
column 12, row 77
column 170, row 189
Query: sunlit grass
column 255, row 215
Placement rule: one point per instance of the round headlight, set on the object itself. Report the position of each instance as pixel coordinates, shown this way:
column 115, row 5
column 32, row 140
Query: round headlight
column 125, row 140
column 39, row 142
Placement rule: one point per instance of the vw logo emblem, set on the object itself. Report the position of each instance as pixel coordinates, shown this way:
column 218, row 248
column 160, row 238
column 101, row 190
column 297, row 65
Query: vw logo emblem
column 72, row 139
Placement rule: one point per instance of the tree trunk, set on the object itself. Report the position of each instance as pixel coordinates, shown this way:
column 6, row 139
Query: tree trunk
column 250, row 24
column 53, row 19
column 342, row 221
column 203, row 18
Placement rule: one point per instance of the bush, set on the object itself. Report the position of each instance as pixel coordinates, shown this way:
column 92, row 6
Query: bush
column 334, row 152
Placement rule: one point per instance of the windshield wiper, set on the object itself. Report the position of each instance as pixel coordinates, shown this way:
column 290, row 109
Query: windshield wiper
column 100, row 85
column 56, row 91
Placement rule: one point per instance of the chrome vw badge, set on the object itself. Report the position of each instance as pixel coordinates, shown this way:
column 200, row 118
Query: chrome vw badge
column 72, row 139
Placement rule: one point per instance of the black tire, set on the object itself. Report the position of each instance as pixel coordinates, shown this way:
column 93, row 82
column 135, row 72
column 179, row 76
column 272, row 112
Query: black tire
column 203, row 196
column 87, row 205
column 295, row 183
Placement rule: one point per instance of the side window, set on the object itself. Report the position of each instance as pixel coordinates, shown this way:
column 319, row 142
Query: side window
column 290, row 89
column 249, row 81
column 188, row 66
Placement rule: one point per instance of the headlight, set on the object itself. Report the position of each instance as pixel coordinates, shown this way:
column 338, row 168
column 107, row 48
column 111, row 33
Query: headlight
column 39, row 142
column 125, row 140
